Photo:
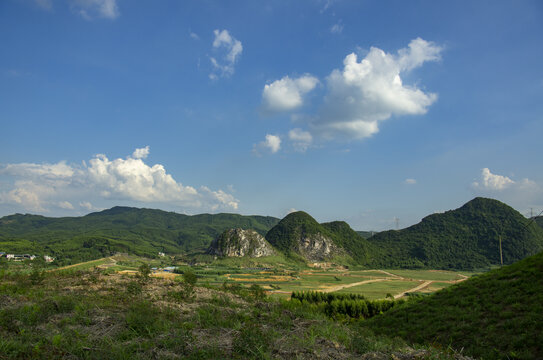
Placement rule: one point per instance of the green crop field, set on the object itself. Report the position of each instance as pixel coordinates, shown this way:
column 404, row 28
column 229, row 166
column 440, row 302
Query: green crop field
column 282, row 280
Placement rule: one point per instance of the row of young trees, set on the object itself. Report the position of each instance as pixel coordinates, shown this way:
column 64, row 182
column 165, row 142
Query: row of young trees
column 351, row 305
column 319, row 296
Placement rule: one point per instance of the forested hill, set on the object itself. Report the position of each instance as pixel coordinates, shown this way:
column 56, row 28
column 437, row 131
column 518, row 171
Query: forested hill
column 299, row 231
column 539, row 221
column 465, row 238
column 497, row 315
column 120, row 229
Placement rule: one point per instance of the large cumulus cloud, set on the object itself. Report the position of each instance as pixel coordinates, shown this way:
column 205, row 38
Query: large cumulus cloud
column 43, row 187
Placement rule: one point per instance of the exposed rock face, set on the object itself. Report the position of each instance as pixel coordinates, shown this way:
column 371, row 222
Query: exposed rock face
column 299, row 233
column 239, row 242
column 317, row 247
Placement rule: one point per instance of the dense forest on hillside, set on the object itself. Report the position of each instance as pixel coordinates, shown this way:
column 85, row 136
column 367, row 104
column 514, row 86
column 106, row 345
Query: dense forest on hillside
column 120, row 229
column 497, row 315
column 288, row 233
column 539, row 221
column 465, row 238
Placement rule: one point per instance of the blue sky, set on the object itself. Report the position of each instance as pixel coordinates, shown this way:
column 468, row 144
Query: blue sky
column 363, row 111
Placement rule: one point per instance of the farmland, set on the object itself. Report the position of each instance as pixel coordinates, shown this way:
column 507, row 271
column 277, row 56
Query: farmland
column 280, row 282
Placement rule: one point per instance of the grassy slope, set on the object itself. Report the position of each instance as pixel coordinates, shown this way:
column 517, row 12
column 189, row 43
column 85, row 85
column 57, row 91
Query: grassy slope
column 495, row 315
column 138, row 231
column 465, row 238
column 92, row 315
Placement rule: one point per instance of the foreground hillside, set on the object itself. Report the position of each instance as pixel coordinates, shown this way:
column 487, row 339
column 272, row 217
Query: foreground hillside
column 465, row 238
column 498, row 315
column 143, row 232
column 101, row 315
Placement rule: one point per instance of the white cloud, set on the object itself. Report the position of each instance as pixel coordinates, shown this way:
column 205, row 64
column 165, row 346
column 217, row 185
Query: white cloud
column 44, row 4
column 232, row 49
column 286, row 94
column 38, row 187
column 141, row 153
column 491, row 181
column 337, row 28
column 66, row 205
column 521, row 194
column 369, row 91
column 90, row 9
column 300, row 139
column 87, row 205
column 410, row 181
column 272, row 144
column 290, row 211
column 194, row 36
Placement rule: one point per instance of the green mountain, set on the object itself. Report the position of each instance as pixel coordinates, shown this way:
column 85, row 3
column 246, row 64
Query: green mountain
column 120, row 229
column 300, row 234
column 497, row 315
column 465, row 238
column 539, row 221
column 356, row 246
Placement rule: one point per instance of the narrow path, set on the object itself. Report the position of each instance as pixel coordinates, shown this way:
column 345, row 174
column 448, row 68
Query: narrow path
column 391, row 274
column 345, row 286
column 421, row 286
column 83, row 263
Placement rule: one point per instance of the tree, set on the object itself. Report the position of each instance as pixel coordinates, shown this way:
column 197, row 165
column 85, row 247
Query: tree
column 144, row 271
column 190, row 278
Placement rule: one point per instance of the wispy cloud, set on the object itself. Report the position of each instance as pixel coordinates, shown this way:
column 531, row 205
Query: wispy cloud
column 301, row 140
column 44, row 4
column 271, row 144
column 90, row 9
column 337, row 28
column 230, row 50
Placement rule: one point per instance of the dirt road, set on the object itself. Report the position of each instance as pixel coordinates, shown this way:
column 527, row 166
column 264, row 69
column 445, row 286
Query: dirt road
column 417, row 288
column 345, row 286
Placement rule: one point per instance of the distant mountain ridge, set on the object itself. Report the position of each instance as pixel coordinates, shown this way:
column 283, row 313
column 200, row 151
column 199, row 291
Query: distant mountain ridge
column 465, row 238
column 120, row 229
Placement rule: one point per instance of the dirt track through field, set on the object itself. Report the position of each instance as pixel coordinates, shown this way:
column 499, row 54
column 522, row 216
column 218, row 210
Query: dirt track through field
column 345, row 286
column 113, row 262
column 417, row 288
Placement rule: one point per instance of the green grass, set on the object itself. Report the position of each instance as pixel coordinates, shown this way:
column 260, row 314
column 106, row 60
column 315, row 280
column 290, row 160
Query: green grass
column 93, row 315
column 427, row 274
column 496, row 315
column 378, row 290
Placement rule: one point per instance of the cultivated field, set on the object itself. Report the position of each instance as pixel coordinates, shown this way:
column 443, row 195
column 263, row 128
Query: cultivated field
column 282, row 281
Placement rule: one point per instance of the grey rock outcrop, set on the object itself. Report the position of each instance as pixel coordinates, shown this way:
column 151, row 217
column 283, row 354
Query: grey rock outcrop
column 317, row 247
column 239, row 243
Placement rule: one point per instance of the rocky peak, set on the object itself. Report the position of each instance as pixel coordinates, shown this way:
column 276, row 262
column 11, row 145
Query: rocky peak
column 240, row 242
column 317, row 247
